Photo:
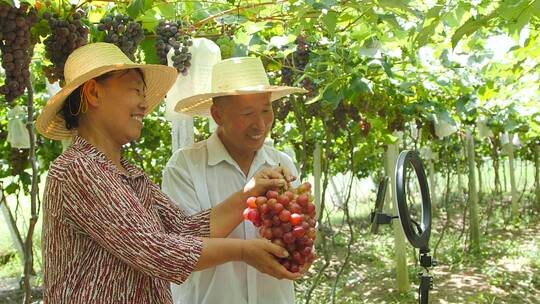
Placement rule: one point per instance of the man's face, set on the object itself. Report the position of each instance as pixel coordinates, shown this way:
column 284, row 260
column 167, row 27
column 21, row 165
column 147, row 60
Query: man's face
column 245, row 120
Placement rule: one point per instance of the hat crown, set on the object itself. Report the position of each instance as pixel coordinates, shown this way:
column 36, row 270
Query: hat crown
column 91, row 56
column 238, row 73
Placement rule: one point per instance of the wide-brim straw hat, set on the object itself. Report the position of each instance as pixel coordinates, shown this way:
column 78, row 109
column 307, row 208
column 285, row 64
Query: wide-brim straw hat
column 234, row 76
column 91, row 61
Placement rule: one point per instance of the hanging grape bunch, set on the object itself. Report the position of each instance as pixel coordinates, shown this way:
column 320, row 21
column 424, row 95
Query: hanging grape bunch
column 176, row 36
column 340, row 118
column 364, row 125
column 123, row 32
column 397, row 124
column 16, row 44
column 18, row 159
column 299, row 60
column 281, row 108
column 67, row 35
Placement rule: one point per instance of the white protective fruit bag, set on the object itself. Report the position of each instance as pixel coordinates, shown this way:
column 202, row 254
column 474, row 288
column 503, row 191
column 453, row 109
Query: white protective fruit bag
column 444, row 126
column 483, row 130
column 18, row 136
column 205, row 53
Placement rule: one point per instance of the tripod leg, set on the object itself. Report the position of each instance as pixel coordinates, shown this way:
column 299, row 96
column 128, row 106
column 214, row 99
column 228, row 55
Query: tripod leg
column 423, row 289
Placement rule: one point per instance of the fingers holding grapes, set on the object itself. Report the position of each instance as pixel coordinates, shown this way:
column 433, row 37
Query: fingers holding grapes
column 263, row 255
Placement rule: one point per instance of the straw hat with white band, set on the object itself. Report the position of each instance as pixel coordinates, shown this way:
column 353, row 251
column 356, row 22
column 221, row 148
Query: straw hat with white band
column 91, row 61
column 234, row 76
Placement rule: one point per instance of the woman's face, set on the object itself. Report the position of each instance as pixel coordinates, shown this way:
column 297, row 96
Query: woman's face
column 121, row 105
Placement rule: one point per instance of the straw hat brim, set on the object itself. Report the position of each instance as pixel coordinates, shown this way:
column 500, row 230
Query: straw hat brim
column 159, row 79
column 199, row 105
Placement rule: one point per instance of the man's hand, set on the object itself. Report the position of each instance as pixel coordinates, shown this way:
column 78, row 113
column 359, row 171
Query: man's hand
column 268, row 179
column 287, row 174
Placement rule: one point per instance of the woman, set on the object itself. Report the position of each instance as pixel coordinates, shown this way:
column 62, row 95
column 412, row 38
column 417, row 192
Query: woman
column 109, row 234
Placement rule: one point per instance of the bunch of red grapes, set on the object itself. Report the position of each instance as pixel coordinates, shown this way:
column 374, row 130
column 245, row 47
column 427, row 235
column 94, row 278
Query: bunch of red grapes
column 287, row 219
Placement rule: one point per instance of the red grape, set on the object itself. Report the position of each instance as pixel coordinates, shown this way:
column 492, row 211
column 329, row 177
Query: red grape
column 251, row 202
column 289, row 194
column 290, row 247
column 296, row 219
column 253, row 215
column 272, row 194
column 282, row 199
column 310, row 207
column 264, row 208
column 267, row 223
column 306, row 251
column 276, row 220
column 305, row 187
column 298, row 231
column 268, row 233
column 246, row 213
column 277, row 208
column 285, row 215
column 288, row 238
column 311, row 233
column 295, row 208
column 277, row 232
column 271, row 202
column 297, row 257
column 261, row 200
column 302, row 200
column 287, row 227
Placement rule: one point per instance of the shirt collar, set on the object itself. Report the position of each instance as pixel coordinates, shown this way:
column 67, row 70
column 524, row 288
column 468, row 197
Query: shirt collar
column 218, row 153
column 90, row 151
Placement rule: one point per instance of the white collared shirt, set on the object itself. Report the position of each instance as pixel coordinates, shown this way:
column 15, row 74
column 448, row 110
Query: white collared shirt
column 200, row 177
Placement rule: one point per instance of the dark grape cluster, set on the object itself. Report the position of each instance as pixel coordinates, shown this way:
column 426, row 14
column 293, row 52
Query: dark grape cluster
column 299, row 60
column 281, row 108
column 18, row 159
column 365, row 126
column 16, row 44
column 175, row 35
column 67, row 35
column 123, row 32
column 397, row 124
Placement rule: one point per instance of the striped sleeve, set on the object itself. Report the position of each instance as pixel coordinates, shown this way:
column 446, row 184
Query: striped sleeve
column 100, row 205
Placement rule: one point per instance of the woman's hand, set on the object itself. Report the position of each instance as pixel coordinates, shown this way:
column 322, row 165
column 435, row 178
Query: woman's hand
column 261, row 254
column 268, row 179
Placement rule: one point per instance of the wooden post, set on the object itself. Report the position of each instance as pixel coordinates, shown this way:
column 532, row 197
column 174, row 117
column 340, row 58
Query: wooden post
column 473, row 195
column 402, row 274
column 537, row 175
column 512, row 173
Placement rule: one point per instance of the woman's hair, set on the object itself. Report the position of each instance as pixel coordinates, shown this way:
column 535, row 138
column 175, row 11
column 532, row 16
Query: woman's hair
column 73, row 102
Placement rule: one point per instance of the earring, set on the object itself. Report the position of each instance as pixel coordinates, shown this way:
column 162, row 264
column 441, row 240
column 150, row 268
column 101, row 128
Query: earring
column 83, row 106
column 78, row 109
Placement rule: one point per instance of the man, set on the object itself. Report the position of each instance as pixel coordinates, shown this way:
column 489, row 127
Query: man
column 206, row 173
